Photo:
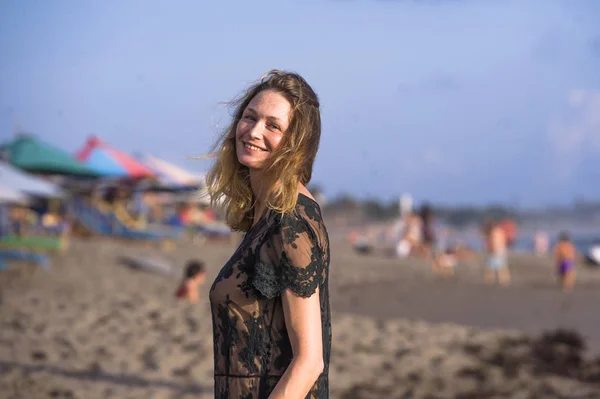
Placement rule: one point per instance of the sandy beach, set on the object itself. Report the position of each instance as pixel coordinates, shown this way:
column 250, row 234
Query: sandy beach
column 94, row 328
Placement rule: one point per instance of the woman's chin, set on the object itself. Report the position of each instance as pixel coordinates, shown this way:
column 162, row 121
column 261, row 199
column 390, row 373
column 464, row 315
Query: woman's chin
column 250, row 162
column 251, row 165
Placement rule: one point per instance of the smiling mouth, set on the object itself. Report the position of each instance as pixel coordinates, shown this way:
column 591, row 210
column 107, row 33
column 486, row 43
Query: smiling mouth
column 253, row 147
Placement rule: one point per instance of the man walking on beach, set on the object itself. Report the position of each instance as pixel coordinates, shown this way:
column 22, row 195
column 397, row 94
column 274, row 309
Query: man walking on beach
column 496, row 262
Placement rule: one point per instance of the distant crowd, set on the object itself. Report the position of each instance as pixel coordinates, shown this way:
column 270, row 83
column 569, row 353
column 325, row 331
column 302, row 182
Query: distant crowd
column 415, row 234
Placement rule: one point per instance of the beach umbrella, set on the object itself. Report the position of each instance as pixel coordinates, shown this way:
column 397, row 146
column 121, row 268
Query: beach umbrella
column 19, row 181
column 31, row 154
column 169, row 174
column 111, row 162
column 10, row 196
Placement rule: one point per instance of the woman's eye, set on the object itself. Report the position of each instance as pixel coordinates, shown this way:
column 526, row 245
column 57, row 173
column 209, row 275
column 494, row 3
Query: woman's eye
column 250, row 117
column 274, row 127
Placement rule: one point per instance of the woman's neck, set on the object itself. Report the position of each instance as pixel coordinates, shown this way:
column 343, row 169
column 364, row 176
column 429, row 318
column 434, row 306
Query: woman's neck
column 260, row 189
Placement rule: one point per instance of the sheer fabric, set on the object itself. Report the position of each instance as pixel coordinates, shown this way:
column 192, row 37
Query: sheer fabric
column 251, row 344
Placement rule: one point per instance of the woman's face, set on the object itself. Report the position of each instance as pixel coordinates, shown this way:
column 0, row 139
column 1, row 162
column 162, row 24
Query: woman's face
column 259, row 132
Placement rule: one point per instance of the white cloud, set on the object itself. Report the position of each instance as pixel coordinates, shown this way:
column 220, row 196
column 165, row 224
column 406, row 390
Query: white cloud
column 576, row 131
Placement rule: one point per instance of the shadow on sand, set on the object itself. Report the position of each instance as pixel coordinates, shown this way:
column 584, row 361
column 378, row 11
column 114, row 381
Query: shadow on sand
column 96, row 374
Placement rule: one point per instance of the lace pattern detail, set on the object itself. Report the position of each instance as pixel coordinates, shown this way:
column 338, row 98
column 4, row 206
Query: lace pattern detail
column 251, row 344
column 299, row 264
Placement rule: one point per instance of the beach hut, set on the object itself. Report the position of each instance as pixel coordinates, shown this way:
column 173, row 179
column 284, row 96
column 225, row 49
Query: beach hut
column 110, row 162
column 31, row 154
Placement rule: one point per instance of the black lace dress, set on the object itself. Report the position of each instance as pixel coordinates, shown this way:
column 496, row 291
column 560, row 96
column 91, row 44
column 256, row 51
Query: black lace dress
column 251, row 344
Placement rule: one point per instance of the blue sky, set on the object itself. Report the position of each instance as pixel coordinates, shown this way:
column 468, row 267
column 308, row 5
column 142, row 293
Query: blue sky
column 455, row 101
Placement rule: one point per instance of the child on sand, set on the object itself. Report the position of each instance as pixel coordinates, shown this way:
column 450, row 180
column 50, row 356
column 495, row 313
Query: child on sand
column 564, row 259
column 194, row 276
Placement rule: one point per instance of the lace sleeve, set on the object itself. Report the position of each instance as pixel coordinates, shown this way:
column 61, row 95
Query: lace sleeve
column 292, row 258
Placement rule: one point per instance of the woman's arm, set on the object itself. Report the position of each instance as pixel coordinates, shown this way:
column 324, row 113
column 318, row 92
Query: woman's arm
column 303, row 322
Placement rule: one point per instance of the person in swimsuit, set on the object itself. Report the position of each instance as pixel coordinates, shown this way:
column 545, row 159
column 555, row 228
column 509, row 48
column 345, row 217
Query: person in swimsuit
column 270, row 302
column 194, row 275
column 496, row 245
column 564, row 258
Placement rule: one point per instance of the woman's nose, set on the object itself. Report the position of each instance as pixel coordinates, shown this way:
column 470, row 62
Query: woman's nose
column 256, row 132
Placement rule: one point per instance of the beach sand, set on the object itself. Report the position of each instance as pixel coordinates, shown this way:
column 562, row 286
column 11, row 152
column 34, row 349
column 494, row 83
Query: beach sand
column 94, row 328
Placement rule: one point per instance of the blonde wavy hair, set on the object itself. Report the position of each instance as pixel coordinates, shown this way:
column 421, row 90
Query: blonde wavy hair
column 228, row 181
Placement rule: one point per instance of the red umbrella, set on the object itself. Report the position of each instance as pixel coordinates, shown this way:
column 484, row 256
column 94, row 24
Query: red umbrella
column 111, row 162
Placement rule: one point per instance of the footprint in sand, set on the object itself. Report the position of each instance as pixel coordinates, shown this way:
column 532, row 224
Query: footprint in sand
column 400, row 353
column 477, row 373
column 181, row 372
column 178, row 339
column 192, row 325
column 56, row 393
column 436, row 362
column 95, row 368
column 193, row 347
column 154, row 315
column 102, row 352
column 39, row 356
column 149, row 359
column 40, row 328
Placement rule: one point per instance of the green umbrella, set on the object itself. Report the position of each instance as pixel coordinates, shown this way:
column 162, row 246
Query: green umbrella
column 29, row 153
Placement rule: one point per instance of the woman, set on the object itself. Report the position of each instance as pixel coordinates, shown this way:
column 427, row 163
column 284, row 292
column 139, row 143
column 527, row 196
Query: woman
column 270, row 302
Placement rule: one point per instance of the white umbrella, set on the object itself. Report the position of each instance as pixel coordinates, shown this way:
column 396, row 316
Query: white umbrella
column 19, row 181
column 8, row 195
column 168, row 173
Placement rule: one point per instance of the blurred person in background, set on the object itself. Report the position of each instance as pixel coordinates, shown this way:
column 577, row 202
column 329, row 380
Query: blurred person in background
column 270, row 302
column 194, row 276
column 565, row 256
column 445, row 262
column 410, row 243
column 496, row 264
column 541, row 243
column 444, row 254
column 427, row 231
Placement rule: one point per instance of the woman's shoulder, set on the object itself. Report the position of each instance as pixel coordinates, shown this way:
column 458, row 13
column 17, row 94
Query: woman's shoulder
column 308, row 208
column 306, row 212
column 305, row 219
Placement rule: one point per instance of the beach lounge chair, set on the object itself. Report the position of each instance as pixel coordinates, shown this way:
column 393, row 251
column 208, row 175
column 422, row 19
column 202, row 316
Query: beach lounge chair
column 106, row 223
column 31, row 236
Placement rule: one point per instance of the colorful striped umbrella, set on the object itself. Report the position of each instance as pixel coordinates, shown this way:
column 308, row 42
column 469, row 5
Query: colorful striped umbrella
column 111, row 162
column 169, row 174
